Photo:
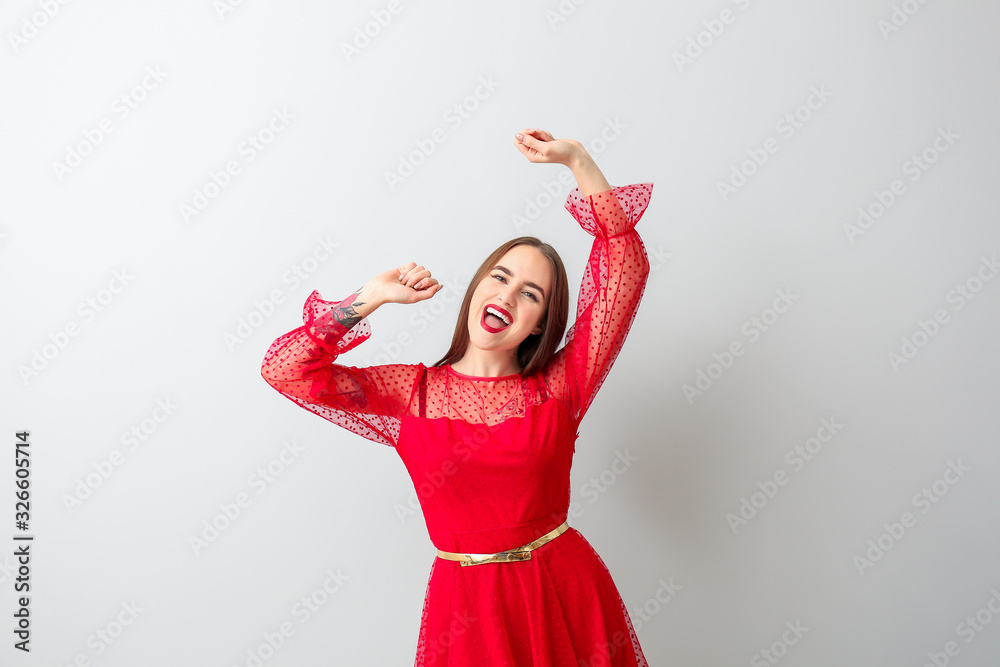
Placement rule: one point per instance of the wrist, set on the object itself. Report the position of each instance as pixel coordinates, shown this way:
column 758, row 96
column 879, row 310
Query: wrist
column 579, row 158
column 372, row 295
column 588, row 175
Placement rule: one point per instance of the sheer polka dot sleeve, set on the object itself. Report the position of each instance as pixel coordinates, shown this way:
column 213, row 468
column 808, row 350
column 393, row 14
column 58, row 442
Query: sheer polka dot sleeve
column 612, row 287
column 300, row 364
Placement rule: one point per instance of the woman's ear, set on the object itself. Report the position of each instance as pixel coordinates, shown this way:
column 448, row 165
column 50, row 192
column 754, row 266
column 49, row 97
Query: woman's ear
column 540, row 327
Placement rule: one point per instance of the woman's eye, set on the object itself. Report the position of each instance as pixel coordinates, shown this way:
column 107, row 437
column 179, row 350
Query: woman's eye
column 531, row 294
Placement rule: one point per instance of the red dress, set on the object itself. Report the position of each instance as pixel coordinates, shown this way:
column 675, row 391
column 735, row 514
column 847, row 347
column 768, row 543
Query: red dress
column 490, row 460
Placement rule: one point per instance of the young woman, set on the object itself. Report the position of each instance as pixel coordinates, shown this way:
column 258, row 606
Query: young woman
column 488, row 432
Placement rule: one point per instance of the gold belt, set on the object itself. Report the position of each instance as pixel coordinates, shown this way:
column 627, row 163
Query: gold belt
column 520, row 553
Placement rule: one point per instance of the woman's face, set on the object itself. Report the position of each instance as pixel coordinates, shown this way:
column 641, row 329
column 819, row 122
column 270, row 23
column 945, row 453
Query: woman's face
column 519, row 286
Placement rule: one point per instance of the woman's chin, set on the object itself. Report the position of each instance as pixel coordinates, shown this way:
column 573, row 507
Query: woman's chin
column 487, row 341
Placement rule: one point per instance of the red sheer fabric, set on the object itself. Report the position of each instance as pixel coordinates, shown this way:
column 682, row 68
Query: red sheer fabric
column 490, row 459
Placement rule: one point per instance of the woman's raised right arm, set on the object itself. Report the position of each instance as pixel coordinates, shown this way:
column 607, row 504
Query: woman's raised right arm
column 301, row 364
column 326, row 325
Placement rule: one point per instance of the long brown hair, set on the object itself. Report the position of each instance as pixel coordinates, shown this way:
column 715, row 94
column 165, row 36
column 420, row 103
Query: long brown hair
column 536, row 350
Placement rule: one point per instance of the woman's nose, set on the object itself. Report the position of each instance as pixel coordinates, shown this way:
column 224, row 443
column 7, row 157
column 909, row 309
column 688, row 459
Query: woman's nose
column 504, row 294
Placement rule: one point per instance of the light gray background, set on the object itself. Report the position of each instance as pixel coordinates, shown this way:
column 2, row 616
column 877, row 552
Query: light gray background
column 718, row 262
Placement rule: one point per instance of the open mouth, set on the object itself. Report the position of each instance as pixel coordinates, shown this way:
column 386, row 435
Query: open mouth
column 495, row 319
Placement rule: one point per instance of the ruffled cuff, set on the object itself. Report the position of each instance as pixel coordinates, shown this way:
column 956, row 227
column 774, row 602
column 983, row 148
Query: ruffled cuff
column 326, row 331
column 598, row 214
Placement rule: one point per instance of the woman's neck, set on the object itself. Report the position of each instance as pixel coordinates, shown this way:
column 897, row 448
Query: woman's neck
column 482, row 363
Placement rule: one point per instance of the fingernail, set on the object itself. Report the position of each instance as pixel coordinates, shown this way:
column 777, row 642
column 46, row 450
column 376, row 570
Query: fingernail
column 519, row 136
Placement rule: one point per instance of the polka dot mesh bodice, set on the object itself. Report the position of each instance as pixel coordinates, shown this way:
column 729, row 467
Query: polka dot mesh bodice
column 490, row 459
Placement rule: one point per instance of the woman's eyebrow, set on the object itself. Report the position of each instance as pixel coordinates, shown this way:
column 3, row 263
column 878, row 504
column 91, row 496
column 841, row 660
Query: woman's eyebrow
column 526, row 282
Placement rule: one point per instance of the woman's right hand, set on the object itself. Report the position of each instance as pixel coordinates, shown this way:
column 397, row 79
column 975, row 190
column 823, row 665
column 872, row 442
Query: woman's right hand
column 409, row 283
column 540, row 146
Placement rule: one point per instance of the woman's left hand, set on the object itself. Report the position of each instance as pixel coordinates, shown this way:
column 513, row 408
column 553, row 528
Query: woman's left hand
column 540, row 146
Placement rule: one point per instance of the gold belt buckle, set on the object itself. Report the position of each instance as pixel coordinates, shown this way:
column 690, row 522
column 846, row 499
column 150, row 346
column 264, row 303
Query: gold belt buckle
column 499, row 557
column 512, row 555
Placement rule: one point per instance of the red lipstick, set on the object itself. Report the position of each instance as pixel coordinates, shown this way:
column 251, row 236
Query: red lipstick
column 491, row 329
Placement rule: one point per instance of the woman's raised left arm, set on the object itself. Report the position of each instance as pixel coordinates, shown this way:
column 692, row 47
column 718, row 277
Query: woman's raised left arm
column 614, row 278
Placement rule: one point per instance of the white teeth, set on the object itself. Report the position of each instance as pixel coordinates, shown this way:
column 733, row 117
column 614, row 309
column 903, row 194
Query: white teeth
column 491, row 309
